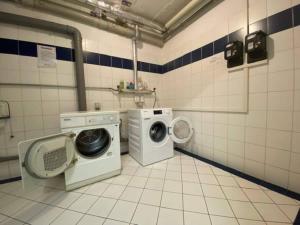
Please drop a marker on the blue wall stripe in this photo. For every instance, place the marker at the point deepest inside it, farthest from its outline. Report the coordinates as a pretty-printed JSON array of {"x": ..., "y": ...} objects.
[
  {"x": 280, "y": 21},
  {"x": 9, "y": 46},
  {"x": 296, "y": 13},
  {"x": 273, "y": 24},
  {"x": 258, "y": 181}
]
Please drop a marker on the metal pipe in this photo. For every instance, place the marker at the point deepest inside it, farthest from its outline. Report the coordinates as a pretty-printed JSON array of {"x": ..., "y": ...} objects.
[
  {"x": 57, "y": 86},
  {"x": 151, "y": 38},
  {"x": 134, "y": 55},
  {"x": 186, "y": 12},
  {"x": 129, "y": 17},
  {"x": 59, "y": 28}
]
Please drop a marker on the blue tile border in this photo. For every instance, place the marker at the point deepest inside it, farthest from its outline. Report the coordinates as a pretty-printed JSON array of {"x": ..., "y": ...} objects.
[
  {"x": 278, "y": 22},
  {"x": 9, "y": 180},
  {"x": 238, "y": 173}
]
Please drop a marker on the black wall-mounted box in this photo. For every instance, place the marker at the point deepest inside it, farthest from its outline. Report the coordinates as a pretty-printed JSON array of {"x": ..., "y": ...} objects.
[
  {"x": 256, "y": 46},
  {"x": 234, "y": 54}
]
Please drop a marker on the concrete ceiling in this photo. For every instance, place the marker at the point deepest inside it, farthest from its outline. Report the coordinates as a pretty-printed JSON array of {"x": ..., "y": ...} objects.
[{"x": 160, "y": 11}]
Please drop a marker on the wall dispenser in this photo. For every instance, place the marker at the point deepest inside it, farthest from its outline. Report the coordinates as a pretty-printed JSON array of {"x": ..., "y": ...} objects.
[
  {"x": 256, "y": 46},
  {"x": 234, "y": 54}
]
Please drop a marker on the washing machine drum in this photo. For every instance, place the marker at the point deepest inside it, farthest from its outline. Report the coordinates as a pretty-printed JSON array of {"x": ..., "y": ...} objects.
[
  {"x": 158, "y": 131},
  {"x": 92, "y": 143}
]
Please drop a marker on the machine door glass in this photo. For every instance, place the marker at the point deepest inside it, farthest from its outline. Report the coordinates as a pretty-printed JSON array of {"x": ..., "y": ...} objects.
[
  {"x": 181, "y": 130},
  {"x": 93, "y": 143},
  {"x": 45, "y": 157},
  {"x": 158, "y": 131}
]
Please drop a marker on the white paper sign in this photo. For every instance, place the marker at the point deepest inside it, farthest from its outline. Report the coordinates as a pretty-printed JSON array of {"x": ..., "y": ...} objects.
[{"x": 46, "y": 56}]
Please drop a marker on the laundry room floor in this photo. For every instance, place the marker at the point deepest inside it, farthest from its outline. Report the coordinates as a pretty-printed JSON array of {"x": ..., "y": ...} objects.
[{"x": 178, "y": 191}]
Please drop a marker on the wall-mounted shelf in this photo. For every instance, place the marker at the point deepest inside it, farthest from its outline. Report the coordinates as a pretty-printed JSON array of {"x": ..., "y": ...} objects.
[{"x": 136, "y": 92}]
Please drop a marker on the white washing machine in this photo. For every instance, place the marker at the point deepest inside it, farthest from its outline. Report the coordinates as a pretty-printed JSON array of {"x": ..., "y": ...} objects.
[
  {"x": 151, "y": 134},
  {"x": 87, "y": 150}
]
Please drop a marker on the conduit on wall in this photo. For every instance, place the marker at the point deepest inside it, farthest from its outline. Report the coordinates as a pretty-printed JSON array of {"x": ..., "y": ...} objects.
[{"x": 58, "y": 28}]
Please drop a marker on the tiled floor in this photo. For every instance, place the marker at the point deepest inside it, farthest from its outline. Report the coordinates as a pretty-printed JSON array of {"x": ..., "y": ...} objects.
[{"x": 178, "y": 191}]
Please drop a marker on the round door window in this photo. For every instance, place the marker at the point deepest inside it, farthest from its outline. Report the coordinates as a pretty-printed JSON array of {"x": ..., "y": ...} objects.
[
  {"x": 93, "y": 143},
  {"x": 158, "y": 131}
]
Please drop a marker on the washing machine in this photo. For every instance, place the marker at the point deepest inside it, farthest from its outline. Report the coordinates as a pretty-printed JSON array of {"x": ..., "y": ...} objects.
[
  {"x": 152, "y": 133},
  {"x": 87, "y": 151}
]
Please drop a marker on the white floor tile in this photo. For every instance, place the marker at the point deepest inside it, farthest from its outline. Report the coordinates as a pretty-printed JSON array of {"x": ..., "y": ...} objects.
[
  {"x": 204, "y": 170},
  {"x": 281, "y": 199},
  {"x": 151, "y": 197},
  {"x": 212, "y": 191},
  {"x": 172, "y": 200},
  {"x": 102, "y": 207},
  {"x": 244, "y": 210},
  {"x": 245, "y": 183},
  {"x": 139, "y": 182},
  {"x": 173, "y": 175},
  {"x": 157, "y": 173},
  {"x": 121, "y": 179},
  {"x": 170, "y": 217},
  {"x": 192, "y": 188},
  {"x": 29, "y": 211},
  {"x": 83, "y": 203},
  {"x": 132, "y": 194},
  {"x": 14, "y": 206},
  {"x": 65, "y": 199},
  {"x": 218, "y": 207},
  {"x": 67, "y": 218},
  {"x": 143, "y": 172},
  {"x": 220, "y": 172},
  {"x": 97, "y": 189},
  {"x": 290, "y": 210},
  {"x": 194, "y": 203},
  {"x": 145, "y": 215},
  {"x": 208, "y": 179},
  {"x": 123, "y": 211},
  {"x": 227, "y": 181},
  {"x": 257, "y": 196},
  {"x": 113, "y": 191},
  {"x": 191, "y": 218},
  {"x": 11, "y": 221},
  {"x": 173, "y": 186},
  {"x": 270, "y": 212},
  {"x": 190, "y": 177},
  {"x": 91, "y": 220},
  {"x": 251, "y": 222},
  {"x": 155, "y": 184},
  {"x": 234, "y": 193},
  {"x": 219, "y": 220},
  {"x": 114, "y": 222},
  {"x": 46, "y": 216}
]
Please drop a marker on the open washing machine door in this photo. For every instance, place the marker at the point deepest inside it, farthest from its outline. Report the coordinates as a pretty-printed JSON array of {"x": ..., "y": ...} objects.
[
  {"x": 181, "y": 130},
  {"x": 45, "y": 157}
]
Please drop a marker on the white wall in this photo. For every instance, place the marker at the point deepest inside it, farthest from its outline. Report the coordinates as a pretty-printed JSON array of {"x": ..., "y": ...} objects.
[
  {"x": 263, "y": 142},
  {"x": 35, "y": 111}
]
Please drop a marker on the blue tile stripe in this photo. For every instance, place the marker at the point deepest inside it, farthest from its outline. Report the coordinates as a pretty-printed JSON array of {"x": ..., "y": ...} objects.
[
  {"x": 238, "y": 173},
  {"x": 278, "y": 22}
]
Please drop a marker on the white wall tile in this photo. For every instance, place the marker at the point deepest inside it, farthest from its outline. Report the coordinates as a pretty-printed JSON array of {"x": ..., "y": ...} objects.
[
  {"x": 281, "y": 81},
  {"x": 282, "y": 101},
  {"x": 275, "y": 6},
  {"x": 278, "y": 158},
  {"x": 279, "y": 139},
  {"x": 280, "y": 120}
]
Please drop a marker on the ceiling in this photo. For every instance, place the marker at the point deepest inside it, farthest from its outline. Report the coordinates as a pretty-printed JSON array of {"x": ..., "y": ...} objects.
[{"x": 160, "y": 11}]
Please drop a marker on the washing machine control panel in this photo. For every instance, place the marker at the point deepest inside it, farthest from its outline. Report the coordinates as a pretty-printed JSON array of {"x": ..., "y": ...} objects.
[
  {"x": 156, "y": 112},
  {"x": 103, "y": 119}
]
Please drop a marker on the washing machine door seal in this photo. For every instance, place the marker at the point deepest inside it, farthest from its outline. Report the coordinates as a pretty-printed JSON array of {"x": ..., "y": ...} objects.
[
  {"x": 181, "y": 130},
  {"x": 158, "y": 131},
  {"x": 93, "y": 142}
]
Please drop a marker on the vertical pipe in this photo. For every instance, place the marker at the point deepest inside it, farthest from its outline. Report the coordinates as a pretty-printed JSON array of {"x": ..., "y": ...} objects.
[{"x": 134, "y": 55}]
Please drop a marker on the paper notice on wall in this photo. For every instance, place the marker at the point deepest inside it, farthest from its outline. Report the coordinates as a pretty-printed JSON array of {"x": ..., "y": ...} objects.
[{"x": 46, "y": 56}]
